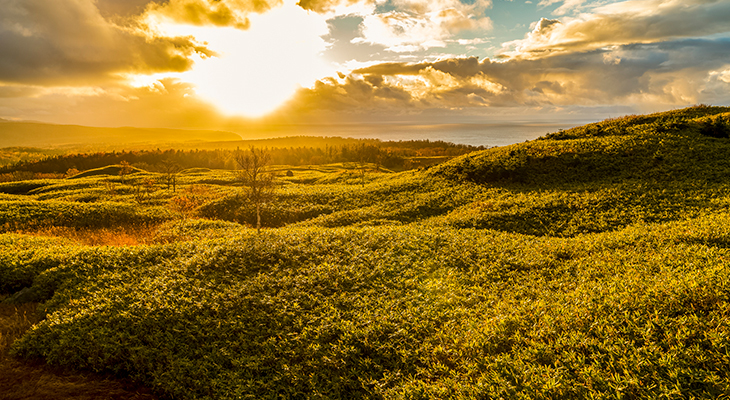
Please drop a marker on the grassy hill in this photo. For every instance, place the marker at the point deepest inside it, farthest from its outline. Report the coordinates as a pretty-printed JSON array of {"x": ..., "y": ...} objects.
[
  {"x": 591, "y": 263},
  {"x": 687, "y": 144}
]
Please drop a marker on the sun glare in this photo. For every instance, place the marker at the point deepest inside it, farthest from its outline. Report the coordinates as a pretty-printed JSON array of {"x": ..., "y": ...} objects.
[{"x": 258, "y": 69}]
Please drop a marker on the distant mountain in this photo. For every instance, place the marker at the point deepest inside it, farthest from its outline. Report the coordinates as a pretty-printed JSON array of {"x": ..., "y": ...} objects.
[{"x": 37, "y": 134}]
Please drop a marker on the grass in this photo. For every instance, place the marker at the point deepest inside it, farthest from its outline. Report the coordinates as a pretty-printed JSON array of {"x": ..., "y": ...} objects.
[
  {"x": 119, "y": 236},
  {"x": 36, "y": 380},
  {"x": 591, "y": 263},
  {"x": 458, "y": 313}
]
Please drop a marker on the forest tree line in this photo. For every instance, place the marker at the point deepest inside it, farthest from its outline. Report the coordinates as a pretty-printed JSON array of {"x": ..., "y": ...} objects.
[{"x": 392, "y": 155}]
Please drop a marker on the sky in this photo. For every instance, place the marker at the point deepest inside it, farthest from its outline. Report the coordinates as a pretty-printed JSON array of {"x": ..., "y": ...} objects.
[{"x": 228, "y": 64}]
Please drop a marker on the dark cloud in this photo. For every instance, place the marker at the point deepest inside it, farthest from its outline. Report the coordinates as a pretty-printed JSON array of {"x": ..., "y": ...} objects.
[
  {"x": 121, "y": 8},
  {"x": 349, "y": 95},
  {"x": 623, "y": 23},
  {"x": 70, "y": 43},
  {"x": 341, "y": 49},
  {"x": 461, "y": 67}
]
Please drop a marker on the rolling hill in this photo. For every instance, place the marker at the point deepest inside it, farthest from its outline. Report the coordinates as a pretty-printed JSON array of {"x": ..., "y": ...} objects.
[
  {"x": 688, "y": 144},
  {"x": 591, "y": 263}
]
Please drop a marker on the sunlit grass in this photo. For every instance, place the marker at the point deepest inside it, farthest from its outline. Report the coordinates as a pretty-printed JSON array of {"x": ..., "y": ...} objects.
[
  {"x": 591, "y": 264},
  {"x": 119, "y": 236}
]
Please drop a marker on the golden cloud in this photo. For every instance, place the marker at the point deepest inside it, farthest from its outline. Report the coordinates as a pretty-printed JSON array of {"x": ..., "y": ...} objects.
[
  {"x": 325, "y": 6},
  {"x": 423, "y": 24},
  {"x": 210, "y": 12},
  {"x": 165, "y": 103},
  {"x": 70, "y": 43}
]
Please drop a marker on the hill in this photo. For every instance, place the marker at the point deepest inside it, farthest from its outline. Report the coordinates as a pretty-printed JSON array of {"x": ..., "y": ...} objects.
[
  {"x": 591, "y": 263},
  {"x": 688, "y": 144},
  {"x": 35, "y": 134}
]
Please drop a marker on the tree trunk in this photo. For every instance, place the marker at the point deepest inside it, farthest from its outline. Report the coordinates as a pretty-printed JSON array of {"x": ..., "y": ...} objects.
[{"x": 258, "y": 218}]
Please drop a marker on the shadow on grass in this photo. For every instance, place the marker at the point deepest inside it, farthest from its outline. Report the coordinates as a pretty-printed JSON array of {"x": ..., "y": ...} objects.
[{"x": 21, "y": 379}]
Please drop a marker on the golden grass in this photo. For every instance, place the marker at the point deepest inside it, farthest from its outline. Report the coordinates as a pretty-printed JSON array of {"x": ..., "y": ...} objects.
[
  {"x": 118, "y": 236},
  {"x": 37, "y": 381}
]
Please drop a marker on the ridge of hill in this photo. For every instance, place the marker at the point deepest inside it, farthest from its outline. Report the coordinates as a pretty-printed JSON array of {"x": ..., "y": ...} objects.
[
  {"x": 38, "y": 134},
  {"x": 666, "y": 146}
]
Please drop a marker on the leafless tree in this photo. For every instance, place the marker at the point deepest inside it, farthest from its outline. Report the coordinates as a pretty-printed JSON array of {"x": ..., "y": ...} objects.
[
  {"x": 169, "y": 172},
  {"x": 254, "y": 174}
]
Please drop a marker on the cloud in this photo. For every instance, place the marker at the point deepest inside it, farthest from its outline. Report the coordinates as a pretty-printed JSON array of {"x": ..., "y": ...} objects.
[
  {"x": 723, "y": 75},
  {"x": 395, "y": 89},
  {"x": 644, "y": 21},
  {"x": 114, "y": 105},
  {"x": 121, "y": 8},
  {"x": 61, "y": 55},
  {"x": 567, "y": 7},
  {"x": 412, "y": 25},
  {"x": 645, "y": 54},
  {"x": 18, "y": 92},
  {"x": 328, "y": 6},
  {"x": 73, "y": 59},
  {"x": 70, "y": 43},
  {"x": 232, "y": 13},
  {"x": 668, "y": 74}
]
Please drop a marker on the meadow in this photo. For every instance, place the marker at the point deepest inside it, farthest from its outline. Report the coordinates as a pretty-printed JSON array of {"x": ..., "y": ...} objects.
[{"x": 590, "y": 263}]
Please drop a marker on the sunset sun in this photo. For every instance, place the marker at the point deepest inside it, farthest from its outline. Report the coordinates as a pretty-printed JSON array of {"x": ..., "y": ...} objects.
[
  {"x": 256, "y": 70},
  {"x": 216, "y": 63}
]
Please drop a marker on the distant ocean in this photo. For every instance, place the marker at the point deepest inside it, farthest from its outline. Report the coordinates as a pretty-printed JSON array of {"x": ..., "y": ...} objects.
[{"x": 487, "y": 135}]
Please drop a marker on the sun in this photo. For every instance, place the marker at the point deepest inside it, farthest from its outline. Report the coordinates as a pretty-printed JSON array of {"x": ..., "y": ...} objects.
[{"x": 258, "y": 69}]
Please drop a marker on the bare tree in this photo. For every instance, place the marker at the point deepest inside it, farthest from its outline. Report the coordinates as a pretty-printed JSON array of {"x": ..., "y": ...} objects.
[
  {"x": 365, "y": 155},
  {"x": 254, "y": 174},
  {"x": 169, "y": 172}
]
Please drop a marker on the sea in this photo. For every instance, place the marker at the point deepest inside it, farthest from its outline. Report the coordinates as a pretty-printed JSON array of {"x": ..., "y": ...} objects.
[{"x": 487, "y": 135}]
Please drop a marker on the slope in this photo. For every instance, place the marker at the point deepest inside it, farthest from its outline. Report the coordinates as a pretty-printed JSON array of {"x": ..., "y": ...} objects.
[{"x": 689, "y": 144}]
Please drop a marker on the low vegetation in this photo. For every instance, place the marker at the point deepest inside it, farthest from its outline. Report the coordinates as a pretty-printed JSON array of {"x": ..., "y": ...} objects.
[{"x": 591, "y": 263}]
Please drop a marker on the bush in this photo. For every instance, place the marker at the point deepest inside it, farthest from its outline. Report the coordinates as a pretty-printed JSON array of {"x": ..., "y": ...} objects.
[{"x": 34, "y": 214}]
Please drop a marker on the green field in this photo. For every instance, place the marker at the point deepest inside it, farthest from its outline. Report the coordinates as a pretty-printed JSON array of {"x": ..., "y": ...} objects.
[{"x": 590, "y": 263}]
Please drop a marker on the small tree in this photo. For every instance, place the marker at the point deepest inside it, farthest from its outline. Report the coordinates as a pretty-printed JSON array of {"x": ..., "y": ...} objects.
[
  {"x": 365, "y": 154},
  {"x": 145, "y": 188},
  {"x": 253, "y": 173},
  {"x": 125, "y": 169},
  {"x": 169, "y": 172},
  {"x": 190, "y": 200},
  {"x": 71, "y": 172}
]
